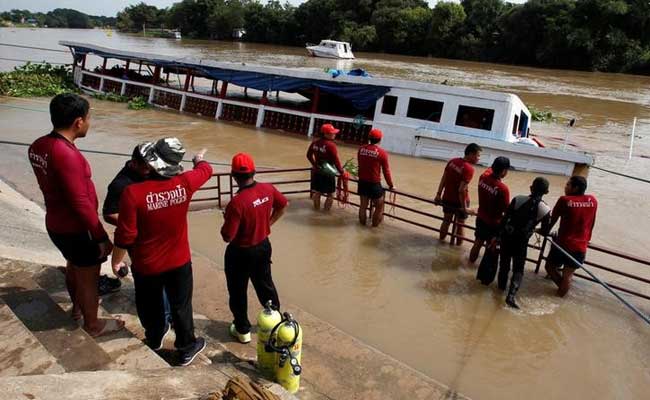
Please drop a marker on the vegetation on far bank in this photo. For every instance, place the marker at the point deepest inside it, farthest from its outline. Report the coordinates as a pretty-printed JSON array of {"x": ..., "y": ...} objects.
[{"x": 58, "y": 18}]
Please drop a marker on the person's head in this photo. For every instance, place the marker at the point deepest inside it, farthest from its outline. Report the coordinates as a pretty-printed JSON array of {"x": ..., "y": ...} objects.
[
  {"x": 165, "y": 157},
  {"x": 139, "y": 158},
  {"x": 539, "y": 187},
  {"x": 500, "y": 167},
  {"x": 242, "y": 168},
  {"x": 473, "y": 153},
  {"x": 329, "y": 131},
  {"x": 576, "y": 185},
  {"x": 71, "y": 113},
  {"x": 375, "y": 135}
]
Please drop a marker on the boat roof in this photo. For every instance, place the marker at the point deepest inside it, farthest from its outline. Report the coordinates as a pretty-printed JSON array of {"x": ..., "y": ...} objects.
[
  {"x": 333, "y": 41},
  {"x": 312, "y": 74}
]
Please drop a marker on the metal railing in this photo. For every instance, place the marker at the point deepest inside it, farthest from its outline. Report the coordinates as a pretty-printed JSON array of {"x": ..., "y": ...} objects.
[{"x": 225, "y": 187}]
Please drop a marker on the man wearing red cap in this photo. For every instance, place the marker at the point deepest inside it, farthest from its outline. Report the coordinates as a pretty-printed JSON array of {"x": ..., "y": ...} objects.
[
  {"x": 323, "y": 155},
  {"x": 372, "y": 161},
  {"x": 152, "y": 225},
  {"x": 246, "y": 228}
]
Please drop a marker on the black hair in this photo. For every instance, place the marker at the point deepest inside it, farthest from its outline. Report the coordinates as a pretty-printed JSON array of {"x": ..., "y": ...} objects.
[
  {"x": 65, "y": 108},
  {"x": 242, "y": 176},
  {"x": 539, "y": 187},
  {"x": 500, "y": 164},
  {"x": 579, "y": 183},
  {"x": 374, "y": 140},
  {"x": 472, "y": 148}
]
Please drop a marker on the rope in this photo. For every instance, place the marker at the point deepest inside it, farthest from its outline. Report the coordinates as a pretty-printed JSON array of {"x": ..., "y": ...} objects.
[
  {"x": 342, "y": 189},
  {"x": 33, "y": 48},
  {"x": 32, "y": 61},
  {"x": 621, "y": 174},
  {"x": 392, "y": 198},
  {"x": 606, "y": 286}
]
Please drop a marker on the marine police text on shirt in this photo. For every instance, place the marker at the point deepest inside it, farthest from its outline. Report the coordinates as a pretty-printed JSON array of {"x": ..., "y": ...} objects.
[{"x": 168, "y": 198}]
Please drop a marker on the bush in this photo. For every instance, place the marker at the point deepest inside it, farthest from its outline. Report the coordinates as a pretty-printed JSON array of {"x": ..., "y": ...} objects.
[
  {"x": 111, "y": 97},
  {"x": 540, "y": 115},
  {"x": 37, "y": 80},
  {"x": 138, "y": 103}
]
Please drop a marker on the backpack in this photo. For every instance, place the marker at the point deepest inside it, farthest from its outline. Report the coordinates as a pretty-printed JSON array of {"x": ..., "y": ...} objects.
[{"x": 520, "y": 222}]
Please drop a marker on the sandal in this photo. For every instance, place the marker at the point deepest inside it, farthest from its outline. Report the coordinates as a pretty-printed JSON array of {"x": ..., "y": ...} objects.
[{"x": 110, "y": 326}]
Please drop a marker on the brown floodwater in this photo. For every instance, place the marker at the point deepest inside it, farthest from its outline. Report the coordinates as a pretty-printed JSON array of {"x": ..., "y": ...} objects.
[{"x": 395, "y": 287}]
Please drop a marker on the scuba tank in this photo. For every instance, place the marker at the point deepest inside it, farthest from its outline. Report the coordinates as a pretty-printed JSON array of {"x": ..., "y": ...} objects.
[
  {"x": 286, "y": 340},
  {"x": 267, "y": 319},
  {"x": 328, "y": 169}
]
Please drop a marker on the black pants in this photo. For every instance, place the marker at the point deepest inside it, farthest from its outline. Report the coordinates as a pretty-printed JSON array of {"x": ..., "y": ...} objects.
[
  {"x": 178, "y": 285},
  {"x": 242, "y": 264},
  {"x": 513, "y": 250}
]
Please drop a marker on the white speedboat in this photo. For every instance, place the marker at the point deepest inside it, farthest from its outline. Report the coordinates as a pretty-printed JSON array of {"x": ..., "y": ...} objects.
[{"x": 330, "y": 49}]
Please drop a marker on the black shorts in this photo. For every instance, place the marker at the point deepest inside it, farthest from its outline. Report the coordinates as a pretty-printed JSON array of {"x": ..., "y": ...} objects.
[
  {"x": 372, "y": 190},
  {"x": 454, "y": 208},
  {"x": 484, "y": 231},
  {"x": 78, "y": 248},
  {"x": 556, "y": 257},
  {"x": 322, "y": 183}
]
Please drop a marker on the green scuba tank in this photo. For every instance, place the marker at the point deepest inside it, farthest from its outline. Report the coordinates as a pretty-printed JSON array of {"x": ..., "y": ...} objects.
[{"x": 328, "y": 169}]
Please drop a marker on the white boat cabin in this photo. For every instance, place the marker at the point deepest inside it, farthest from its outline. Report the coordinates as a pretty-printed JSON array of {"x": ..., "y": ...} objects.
[{"x": 331, "y": 49}]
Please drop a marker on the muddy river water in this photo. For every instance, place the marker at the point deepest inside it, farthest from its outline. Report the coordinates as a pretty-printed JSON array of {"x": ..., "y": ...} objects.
[{"x": 396, "y": 288}]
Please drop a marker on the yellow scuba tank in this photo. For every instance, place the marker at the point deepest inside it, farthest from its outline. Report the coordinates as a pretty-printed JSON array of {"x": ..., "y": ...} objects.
[
  {"x": 286, "y": 340},
  {"x": 267, "y": 319}
]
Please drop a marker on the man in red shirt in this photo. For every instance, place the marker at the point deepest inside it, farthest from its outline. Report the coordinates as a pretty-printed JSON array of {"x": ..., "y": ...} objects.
[
  {"x": 324, "y": 158},
  {"x": 246, "y": 227},
  {"x": 577, "y": 213},
  {"x": 493, "y": 200},
  {"x": 71, "y": 218},
  {"x": 152, "y": 225},
  {"x": 372, "y": 160},
  {"x": 452, "y": 192}
]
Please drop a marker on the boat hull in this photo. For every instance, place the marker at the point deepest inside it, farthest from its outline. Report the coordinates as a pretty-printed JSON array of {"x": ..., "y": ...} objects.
[{"x": 325, "y": 54}]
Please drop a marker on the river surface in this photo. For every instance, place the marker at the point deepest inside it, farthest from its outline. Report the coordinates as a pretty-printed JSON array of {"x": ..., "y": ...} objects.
[{"x": 396, "y": 288}]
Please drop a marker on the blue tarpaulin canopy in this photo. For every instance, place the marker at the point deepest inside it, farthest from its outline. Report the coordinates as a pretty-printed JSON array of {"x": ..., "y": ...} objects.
[{"x": 360, "y": 96}]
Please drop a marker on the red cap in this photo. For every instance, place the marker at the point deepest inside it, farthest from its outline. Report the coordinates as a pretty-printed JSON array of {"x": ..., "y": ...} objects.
[
  {"x": 375, "y": 134},
  {"x": 242, "y": 163},
  {"x": 328, "y": 129}
]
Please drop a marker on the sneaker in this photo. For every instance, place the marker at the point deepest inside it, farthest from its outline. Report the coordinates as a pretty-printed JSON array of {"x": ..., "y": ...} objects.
[
  {"x": 241, "y": 337},
  {"x": 108, "y": 285},
  {"x": 159, "y": 344},
  {"x": 187, "y": 357}
]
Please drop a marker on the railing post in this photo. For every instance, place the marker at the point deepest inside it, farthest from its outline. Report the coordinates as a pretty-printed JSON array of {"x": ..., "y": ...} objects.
[
  {"x": 150, "y": 100},
  {"x": 260, "y": 116},
  {"x": 312, "y": 122},
  {"x": 541, "y": 254},
  {"x": 231, "y": 191},
  {"x": 453, "y": 229},
  {"x": 101, "y": 84},
  {"x": 183, "y": 97},
  {"x": 219, "y": 110},
  {"x": 123, "y": 90},
  {"x": 219, "y": 191}
]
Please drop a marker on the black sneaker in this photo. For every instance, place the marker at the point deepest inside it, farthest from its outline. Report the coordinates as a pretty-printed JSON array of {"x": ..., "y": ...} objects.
[
  {"x": 108, "y": 285},
  {"x": 187, "y": 357},
  {"x": 159, "y": 344}
]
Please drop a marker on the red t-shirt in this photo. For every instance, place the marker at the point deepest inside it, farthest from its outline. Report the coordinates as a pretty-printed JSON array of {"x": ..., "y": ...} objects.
[
  {"x": 457, "y": 170},
  {"x": 493, "y": 198},
  {"x": 152, "y": 221},
  {"x": 247, "y": 218},
  {"x": 578, "y": 216},
  {"x": 372, "y": 160},
  {"x": 324, "y": 150},
  {"x": 64, "y": 177}
]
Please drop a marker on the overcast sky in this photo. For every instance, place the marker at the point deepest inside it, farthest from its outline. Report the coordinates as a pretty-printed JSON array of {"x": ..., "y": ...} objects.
[{"x": 104, "y": 7}]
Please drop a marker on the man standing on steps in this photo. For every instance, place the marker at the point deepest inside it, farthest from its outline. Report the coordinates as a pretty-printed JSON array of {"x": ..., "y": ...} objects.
[
  {"x": 372, "y": 160},
  {"x": 324, "y": 158},
  {"x": 493, "y": 200},
  {"x": 152, "y": 225},
  {"x": 247, "y": 225},
  {"x": 577, "y": 214},
  {"x": 71, "y": 219},
  {"x": 453, "y": 194},
  {"x": 134, "y": 171}
]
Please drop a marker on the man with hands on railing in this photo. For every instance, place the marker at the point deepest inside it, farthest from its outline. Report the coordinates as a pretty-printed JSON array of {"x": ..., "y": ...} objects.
[{"x": 372, "y": 161}]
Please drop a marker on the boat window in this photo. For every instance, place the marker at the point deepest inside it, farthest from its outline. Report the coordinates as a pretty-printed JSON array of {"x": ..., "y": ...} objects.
[
  {"x": 427, "y": 110},
  {"x": 475, "y": 117},
  {"x": 390, "y": 105},
  {"x": 515, "y": 125}
]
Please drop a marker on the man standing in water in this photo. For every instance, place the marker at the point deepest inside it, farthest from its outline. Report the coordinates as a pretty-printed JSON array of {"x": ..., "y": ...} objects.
[
  {"x": 324, "y": 159},
  {"x": 372, "y": 161},
  {"x": 523, "y": 214},
  {"x": 577, "y": 214},
  {"x": 246, "y": 228},
  {"x": 71, "y": 218},
  {"x": 493, "y": 200},
  {"x": 153, "y": 227},
  {"x": 453, "y": 194}
]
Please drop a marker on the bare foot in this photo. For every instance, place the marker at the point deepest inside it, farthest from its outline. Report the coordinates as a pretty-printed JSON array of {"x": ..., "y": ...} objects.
[{"x": 108, "y": 326}]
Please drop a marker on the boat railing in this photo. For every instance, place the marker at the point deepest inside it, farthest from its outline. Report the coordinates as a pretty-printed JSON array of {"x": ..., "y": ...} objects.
[{"x": 422, "y": 212}]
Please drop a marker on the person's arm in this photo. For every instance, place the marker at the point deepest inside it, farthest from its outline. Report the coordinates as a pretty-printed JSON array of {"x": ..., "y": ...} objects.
[
  {"x": 310, "y": 155},
  {"x": 280, "y": 205},
  {"x": 462, "y": 195},
  {"x": 117, "y": 260},
  {"x": 111, "y": 208},
  {"x": 555, "y": 216},
  {"x": 441, "y": 186},
  {"x": 73, "y": 183},
  {"x": 111, "y": 218},
  {"x": 126, "y": 232},
  {"x": 546, "y": 223},
  {"x": 201, "y": 173},
  {"x": 335, "y": 155},
  {"x": 232, "y": 218},
  {"x": 385, "y": 167}
]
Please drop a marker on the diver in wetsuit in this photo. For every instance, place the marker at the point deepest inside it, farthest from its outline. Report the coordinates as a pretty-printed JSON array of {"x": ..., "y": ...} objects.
[{"x": 517, "y": 226}]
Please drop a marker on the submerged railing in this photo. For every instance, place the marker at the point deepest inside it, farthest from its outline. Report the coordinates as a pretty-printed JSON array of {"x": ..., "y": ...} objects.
[{"x": 412, "y": 204}]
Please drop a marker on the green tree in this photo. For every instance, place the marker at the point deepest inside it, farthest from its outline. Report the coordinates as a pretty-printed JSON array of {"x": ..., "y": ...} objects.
[{"x": 447, "y": 21}]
